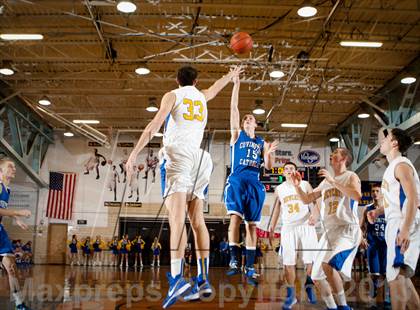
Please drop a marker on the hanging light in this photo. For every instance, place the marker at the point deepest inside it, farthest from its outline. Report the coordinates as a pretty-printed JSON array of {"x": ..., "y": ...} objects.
[
  {"x": 44, "y": 101},
  {"x": 126, "y": 6},
  {"x": 408, "y": 80},
  {"x": 363, "y": 115},
  {"x": 158, "y": 134},
  {"x": 6, "y": 68},
  {"x": 152, "y": 107},
  {"x": 307, "y": 10},
  {"x": 142, "y": 70},
  {"x": 68, "y": 134},
  {"x": 277, "y": 74},
  {"x": 258, "y": 107},
  {"x": 334, "y": 139}
]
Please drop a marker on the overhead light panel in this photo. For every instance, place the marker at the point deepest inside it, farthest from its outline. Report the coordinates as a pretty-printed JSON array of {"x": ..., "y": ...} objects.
[
  {"x": 408, "y": 80},
  {"x": 142, "y": 71},
  {"x": 158, "y": 134},
  {"x": 360, "y": 44},
  {"x": 17, "y": 36},
  {"x": 126, "y": 6},
  {"x": 68, "y": 134},
  {"x": 417, "y": 142},
  {"x": 307, "y": 11},
  {"x": 334, "y": 139},
  {"x": 277, "y": 74},
  {"x": 86, "y": 121},
  {"x": 152, "y": 107},
  {"x": 292, "y": 125},
  {"x": 363, "y": 115}
]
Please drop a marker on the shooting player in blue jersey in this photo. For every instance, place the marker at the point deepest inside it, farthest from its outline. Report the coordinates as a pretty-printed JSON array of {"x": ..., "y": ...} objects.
[{"x": 244, "y": 193}]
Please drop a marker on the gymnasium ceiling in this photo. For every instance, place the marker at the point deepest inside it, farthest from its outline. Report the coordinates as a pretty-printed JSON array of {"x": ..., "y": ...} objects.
[{"x": 86, "y": 62}]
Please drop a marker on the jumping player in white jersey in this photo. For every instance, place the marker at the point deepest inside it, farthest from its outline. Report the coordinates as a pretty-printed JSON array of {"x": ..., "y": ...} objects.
[
  {"x": 296, "y": 229},
  {"x": 401, "y": 191},
  {"x": 342, "y": 235},
  {"x": 244, "y": 193},
  {"x": 187, "y": 171}
]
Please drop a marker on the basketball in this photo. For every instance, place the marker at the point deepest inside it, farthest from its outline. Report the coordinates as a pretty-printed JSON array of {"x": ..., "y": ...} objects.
[{"x": 241, "y": 42}]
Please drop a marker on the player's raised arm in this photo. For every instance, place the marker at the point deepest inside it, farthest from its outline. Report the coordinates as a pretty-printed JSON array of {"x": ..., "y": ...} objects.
[
  {"x": 269, "y": 156},
  {"x": 213, "y": 90},
  {"x": 166, "y": 105},
  {"x": 306, "y": 198},
  {"x": 235, "y": 126}
]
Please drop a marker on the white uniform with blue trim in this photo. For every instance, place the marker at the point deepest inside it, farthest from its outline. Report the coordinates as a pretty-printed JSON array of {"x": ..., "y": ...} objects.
[
  {"x": 186, "y": 168},
  {"x": 342, "y": 234},
  {"x": 395, "y": 203},
  {"x": 295, "y": 230}
]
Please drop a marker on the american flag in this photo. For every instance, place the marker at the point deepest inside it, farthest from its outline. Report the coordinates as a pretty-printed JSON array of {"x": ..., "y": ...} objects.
[{"x": 61, "y": 195}]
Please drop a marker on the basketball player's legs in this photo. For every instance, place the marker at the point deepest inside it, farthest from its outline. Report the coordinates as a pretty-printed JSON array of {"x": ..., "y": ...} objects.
[
  {"x": 10, "y": 266},
  {"x": 199, "y": 228},
  {"x": 176, "y": 206},
  {"x": 233, "y": 238},
  {"x": 413, "y": 296},
  {"x": 399, "y": 292}
]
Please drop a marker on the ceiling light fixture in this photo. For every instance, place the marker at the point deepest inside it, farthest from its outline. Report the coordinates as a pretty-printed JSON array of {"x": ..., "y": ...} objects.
[
  {"x": 292, "y": 125},
  {"x": 126, "y": 6},
  {"x": 158, "y": 134},
  {"x": 44, "y": 101},
  {"x": 408, "y": 80},
  {"x": 258, "y": 107},
  {"x": 360, "y": 44},
  {"x": 363, "y": 115},
  {"x": 142, "y": 70},
  {"x": 86, "y": 121},
  {"x": 68, "y": 134},
  {"x": 17, "y": 36},
  {"x": 334, "y": 139},
  {"x": 277, "y": 74},
  {"x": 152, "y": 107},
  {"x": 6, "y": 71},
  {"x": 307, "y": 11}
]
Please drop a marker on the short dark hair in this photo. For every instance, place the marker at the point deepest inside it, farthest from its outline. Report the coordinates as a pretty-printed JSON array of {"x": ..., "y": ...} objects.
[
  {"x": 403, "y": 139},
  {"x": 290, "y": 164},
  {"x": 345, "y": 152},
  {"x": 375, "y": 185},
  {"x": 186, "y": 75}
]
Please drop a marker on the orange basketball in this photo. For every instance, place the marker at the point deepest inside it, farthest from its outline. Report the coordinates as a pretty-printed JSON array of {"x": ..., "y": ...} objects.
[{"x": 241, "y": 42}]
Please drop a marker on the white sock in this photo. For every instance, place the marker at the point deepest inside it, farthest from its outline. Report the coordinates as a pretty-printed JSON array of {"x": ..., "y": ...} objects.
[
  {"x": 203, "y": 262},
  {"x": 341, "y": 299},
  {"x": 18, "y": 298},
  {"x": 329, "y": 301},
  {"x": 176, "y": 267}
]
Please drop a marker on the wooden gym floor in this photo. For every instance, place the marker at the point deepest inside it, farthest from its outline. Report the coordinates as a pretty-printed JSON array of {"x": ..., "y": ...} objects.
[{"x": 65, "y": 287}]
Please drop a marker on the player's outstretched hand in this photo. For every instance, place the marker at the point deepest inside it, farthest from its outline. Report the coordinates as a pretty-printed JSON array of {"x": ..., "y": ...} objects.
[
  {"x": 273, "y": 146},
  {"x": 371, "y": 216},
  {"x": 235, "y": 72},
  {"x": 324, "y": 173},
  {"x": 23, "y": 213},
  {"x": 21, "y": 224},
  {"x": 403, "y": 239},
  {"x": 296, "y": 178}
]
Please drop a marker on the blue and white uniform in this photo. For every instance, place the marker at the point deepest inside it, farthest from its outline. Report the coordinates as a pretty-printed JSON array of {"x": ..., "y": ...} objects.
[
  {"x": 244, "y": 193},
  {"x": 186, "y": 167},
  {"x": 376, "y": 251},
  {"x": 6, "y": 248},
  {"x": 395, "y": 202},
  {"x": 342, "y": 234}
]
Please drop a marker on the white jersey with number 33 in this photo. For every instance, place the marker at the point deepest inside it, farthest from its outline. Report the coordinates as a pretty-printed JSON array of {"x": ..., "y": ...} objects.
[{"x": 187, "y": 120}]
